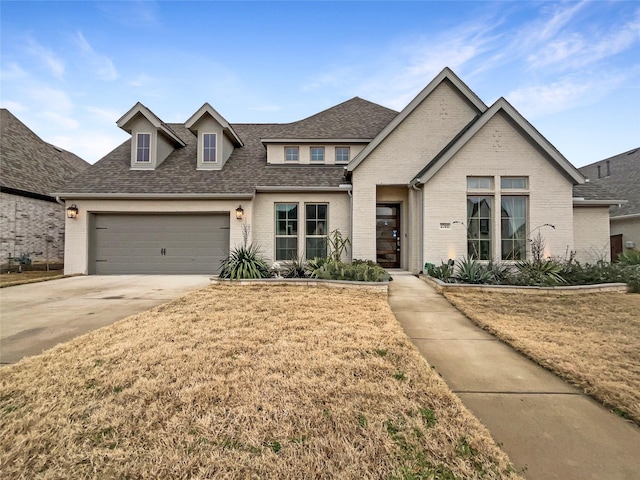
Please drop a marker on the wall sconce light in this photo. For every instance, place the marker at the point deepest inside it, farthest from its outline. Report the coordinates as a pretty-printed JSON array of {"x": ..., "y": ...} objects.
[
  {"x": 239, "y": 212},
  {"x": 72, "y": 211}
]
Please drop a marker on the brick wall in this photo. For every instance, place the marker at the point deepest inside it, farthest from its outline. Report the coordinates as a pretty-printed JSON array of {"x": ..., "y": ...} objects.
[
  {"x": 29, "y": 225},
  {"x": 591, "y": 233}
]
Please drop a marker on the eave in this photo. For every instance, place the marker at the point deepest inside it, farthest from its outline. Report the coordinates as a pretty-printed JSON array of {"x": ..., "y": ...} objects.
[{"x": 140, "y": 109}]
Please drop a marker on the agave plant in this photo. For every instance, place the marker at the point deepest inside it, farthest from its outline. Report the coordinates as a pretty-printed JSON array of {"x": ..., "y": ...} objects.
[
  {"x": 630, "y": 257},
  {"x": 540, "y": 272},
  {"x": 244, "y": 261},
  {"x": 470, "y": 270}
]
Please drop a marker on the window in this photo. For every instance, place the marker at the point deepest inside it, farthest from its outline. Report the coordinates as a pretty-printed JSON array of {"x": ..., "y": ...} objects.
[
  {"x": 479, "y": 227},
  {"x": 513, "y": 227},
  {"x": 317, "y": 154},
  {"x": 316, "y": 226},
  {"x": 513, "y": 183},
  {"x": 209, "y": 147},
  {"x": 286, "y": 231},
  {"x": 342, "y": 154},
  {"x": 143, "y": 147},
  {"x": 480, "y": 183},
  {"x": 291, "y": 154}
]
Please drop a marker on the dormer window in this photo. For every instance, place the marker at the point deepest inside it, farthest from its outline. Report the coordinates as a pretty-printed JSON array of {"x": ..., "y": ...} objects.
[
  {"x": 143, "y": 147},
  {"x": 209, "y": 148},
  {"x": 317, "y": 154},
  {"x": 291, "y": 154}
]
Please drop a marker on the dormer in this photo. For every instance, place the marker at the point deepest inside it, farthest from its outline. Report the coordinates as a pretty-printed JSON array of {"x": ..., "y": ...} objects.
[
  {"x": 151, "y": 139},
  {"x": 216, "y": 138}
]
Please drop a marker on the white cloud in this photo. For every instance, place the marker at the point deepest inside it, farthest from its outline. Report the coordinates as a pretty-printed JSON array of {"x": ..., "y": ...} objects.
[
  {"x": 13, "y": 72},
  {"x": 89, "y": 144},
  {"x": 61, "y": 121},
  {"x": 565, "y": 94},
  {"x": 105, "y": 114},
  {"x": 103, "y": 65},
  {"x": 14, "y": 107},
  {"x": 48, "y": 57}
]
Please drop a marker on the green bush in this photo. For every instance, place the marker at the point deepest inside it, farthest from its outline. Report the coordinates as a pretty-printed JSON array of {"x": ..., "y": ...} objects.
[
  {"x": 295, "y": 268},
  {"x": 245, "y": 262},
  {"x": 630, "y": 257},
  {"x": 470, "y": 270},
  {"x": 357, "y": 272},
  {"x": 443, "y": 272},
  {"x": 539, "y": 272}
]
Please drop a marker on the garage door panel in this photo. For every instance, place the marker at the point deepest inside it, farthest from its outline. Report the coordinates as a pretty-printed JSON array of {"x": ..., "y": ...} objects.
[{"x": 162, "y": 244}]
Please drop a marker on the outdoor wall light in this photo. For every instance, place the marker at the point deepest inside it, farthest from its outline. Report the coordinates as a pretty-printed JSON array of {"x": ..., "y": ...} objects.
[
  {"x": 239, "y": 212},
  {"x": 72, "y": 211}
]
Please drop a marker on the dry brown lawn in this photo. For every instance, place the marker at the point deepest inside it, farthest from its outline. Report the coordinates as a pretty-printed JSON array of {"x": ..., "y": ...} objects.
[
  {"x": 10, "y": 279},
  {"x": 242, "y": 382},
  {"x": 592, "y": 340}
]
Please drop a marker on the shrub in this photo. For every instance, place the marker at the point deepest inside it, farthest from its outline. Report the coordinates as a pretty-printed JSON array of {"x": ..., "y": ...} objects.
[
  {"x": 337, "y": 245},
  {"x": 443, "y": 272},
  {"x": 245, "y": 261},
  {"x": 358, "y": 272},
  {"x": 630, "y": 257},
  {"x": 295, "y": 268},
  {"x": 539, "y": 272},
  {"x": 470, "y": 270}
]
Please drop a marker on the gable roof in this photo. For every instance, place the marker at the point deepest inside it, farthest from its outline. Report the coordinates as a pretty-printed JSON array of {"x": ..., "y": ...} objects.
[
  {"x": 28, "y": 163},
  {"x": 354, "y": 119},
  {"x": 446, "y": 75},
  {"x": 501, "y": 105},
  {"x": 208, "y": 109},
  {"x": 140, "y": 109},
  {"x": 621, "y": 179}
]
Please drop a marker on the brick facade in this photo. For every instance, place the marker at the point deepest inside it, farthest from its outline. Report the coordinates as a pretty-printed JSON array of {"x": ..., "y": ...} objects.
[{"x": 29, "y": 225}]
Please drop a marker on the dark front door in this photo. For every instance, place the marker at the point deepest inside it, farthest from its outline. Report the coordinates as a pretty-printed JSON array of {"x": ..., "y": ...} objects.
[
  {"x": 616, "y": 246},
  {"x": 388, "y": 235}
]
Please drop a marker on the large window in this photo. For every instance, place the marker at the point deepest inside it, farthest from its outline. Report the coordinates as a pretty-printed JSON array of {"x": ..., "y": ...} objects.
[
  {"x": 291, "y": 154},
  {"x": 513, "y": 227},
  {"x": 342, "y": 154},
  {"x": 317, "y": 154},
  {"x": 479, "y": 227},
  {"x": 143, "y": 147},
  {"x": 316, "y": 226},
  {"x": 286, "y": 231},
  {"x": 209, "y": 147}
]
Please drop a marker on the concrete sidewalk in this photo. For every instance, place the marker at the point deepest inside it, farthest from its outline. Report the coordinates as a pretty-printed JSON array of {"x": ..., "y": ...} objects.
[{"x": 549, "y": 429}]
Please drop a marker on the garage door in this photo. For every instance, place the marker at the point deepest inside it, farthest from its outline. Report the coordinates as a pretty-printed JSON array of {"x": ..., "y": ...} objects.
[{"x": 159, "y": 244}]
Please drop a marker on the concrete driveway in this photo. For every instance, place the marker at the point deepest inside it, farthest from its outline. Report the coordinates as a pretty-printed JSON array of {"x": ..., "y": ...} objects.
[{"x": 38, "y": 316}]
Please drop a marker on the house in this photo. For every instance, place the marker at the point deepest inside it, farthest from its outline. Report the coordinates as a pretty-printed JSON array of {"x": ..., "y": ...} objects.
[
  {"x": 620, "y": 175},
  {"x": 446, "y": 177},
  {"x": 31, "y": 220}
]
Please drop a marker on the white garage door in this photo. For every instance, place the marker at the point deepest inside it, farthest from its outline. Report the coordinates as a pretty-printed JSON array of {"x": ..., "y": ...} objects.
[{"x": 159, "y": 244}]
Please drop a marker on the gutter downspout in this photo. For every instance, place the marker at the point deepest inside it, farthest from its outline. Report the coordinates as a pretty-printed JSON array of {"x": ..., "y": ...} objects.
[
  {"x": 350, "y": 192},
  {"x": 60, "y": 201},
  {"x": 421, "y": 216}
]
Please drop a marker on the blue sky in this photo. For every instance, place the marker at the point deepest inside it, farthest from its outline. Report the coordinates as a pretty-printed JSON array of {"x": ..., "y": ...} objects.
[{"x": 69, "y": 70}]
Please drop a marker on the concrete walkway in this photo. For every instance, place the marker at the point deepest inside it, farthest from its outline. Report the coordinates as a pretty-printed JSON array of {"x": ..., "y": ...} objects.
[{"x": 549, "y": 429}]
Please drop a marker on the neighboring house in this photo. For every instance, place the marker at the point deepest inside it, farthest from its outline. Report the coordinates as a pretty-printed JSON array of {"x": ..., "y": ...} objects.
[
  {"x": 444, "y": 178},
  {"x": 31, "y": 220},
  {"x": 620, "y": 175}
]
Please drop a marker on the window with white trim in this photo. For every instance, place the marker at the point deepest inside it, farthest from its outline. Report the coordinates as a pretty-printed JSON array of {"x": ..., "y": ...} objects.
[
  {"x": 342, "y": 154},
  {"x": 479, "y": 226},
  {"x": 317, "y": 154},
  {"x": 316, "y": 228},
  {"x": 143, "y": 147},
  {"x": 286, "y": 231},
  {"x": 513, "y": 227},
  {"x": 209, "y": 147},
  {"x": 291, "y": 154}
]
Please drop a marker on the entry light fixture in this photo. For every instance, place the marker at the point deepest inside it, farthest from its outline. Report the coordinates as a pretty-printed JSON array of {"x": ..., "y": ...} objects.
[
  {"x": 72, "y": 211},
  {"x": 239, "y": 212}
]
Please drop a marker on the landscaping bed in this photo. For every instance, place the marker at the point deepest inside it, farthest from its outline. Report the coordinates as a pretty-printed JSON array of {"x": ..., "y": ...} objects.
[
  {"x": 268, "y": 381},
  {"x": 593, "y": 341}
]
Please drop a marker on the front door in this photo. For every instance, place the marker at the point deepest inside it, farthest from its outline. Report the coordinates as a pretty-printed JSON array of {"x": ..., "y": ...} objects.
[
  {"x": 616, "y": 246},
  {"x": 388, "y": 235}
]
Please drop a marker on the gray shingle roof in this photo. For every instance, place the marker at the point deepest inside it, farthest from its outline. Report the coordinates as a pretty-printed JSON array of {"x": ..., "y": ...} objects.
[
  {"x": 623, "y": 181},
  {"x": 355, "y": 118},
  {"x": 246, "y": 168},
  {"x": 28, "y": 163}
]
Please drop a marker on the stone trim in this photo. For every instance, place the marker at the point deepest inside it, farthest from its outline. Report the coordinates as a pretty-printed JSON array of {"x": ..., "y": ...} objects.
[
  {"x": 379, "y": 287},
  {"x": 442, "y": 287}
]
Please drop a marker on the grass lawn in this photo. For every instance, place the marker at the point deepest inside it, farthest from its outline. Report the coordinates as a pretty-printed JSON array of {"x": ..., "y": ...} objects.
[
  {"x": 242, "y": 382},
  {"x": 592, "y": 340}
]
